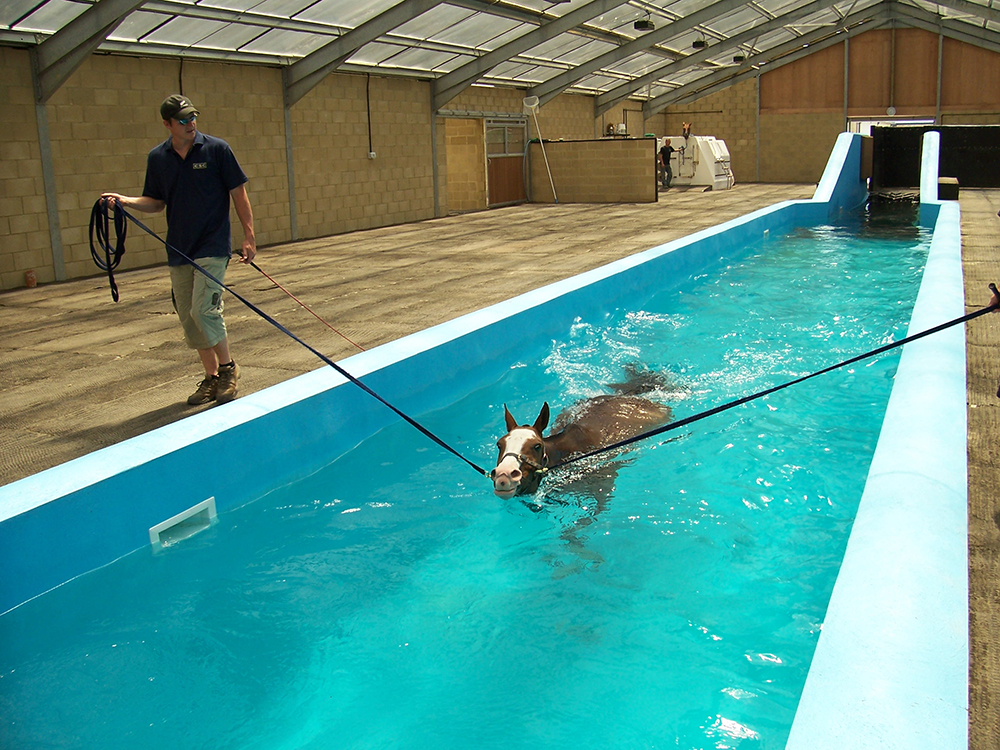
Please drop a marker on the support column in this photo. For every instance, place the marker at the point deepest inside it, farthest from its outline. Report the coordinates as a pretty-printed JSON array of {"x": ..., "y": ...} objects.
[{"x": 51, "y": 195}]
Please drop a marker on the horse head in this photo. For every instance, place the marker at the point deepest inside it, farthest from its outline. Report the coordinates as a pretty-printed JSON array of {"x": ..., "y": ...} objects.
[{"x": 523, "y": 459}]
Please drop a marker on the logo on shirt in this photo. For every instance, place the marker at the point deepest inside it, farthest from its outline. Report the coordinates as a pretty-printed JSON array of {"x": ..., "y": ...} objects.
[{"x": 200, "y": 165}]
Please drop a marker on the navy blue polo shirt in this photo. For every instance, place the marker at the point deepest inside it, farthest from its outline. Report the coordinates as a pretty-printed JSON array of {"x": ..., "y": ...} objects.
[{"x": 196, "y": 191}]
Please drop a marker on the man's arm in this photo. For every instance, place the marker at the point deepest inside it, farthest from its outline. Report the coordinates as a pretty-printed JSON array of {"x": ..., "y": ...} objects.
[
  {"x": 242, "y": 203},
  {"x": 141, "y": 203}
]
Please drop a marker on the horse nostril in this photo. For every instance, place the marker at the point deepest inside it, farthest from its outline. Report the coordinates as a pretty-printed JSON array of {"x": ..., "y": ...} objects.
[{"x": 515, "y": 475}]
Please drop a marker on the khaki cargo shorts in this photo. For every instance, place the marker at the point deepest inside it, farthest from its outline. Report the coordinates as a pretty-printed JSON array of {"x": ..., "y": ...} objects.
[{"x": 198, "y": 301}]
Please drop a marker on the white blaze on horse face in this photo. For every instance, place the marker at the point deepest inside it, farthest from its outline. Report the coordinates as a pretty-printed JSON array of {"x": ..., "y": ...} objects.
[{"x": 507, "y": 475}]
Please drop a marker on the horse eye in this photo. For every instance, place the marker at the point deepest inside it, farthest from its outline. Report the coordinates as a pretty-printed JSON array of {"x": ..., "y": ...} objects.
[{"x": 537, "y": 447}]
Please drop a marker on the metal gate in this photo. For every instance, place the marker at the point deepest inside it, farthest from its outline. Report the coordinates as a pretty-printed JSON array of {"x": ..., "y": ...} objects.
[{"x": 505, "y": 140}]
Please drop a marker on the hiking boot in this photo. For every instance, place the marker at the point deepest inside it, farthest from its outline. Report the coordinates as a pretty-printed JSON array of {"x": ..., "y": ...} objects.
[
  {"x": 225, "y": 389},
  {"x": 206, "y": 392}
]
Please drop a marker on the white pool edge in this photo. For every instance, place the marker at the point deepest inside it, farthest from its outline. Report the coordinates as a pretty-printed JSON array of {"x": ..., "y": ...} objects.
[{"x": 891, "y": 665}]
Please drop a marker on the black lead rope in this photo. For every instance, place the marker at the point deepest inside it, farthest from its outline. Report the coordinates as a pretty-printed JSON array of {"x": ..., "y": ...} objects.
[
  {"x": 101, "y": 208},
  {"x": 99, "y": 228},
  {"x": 753, "y": 397},
  {"x": 99, "y": 218}
]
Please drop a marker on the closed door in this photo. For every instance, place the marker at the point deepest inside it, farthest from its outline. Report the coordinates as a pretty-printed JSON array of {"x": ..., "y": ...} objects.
[{"x": 505, "y": 162}]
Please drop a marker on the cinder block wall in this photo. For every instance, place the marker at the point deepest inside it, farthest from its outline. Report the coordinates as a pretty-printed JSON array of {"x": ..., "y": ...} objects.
[
  {"x": 796, "y": 147},
  {"x": 24, "y": 235},
  {"x": 569, "y": 117},
  {"x": 613, "y": 170},
  {"x": 337, "y": 187},
  {"x": 729, "y": 115},
  {"x": 465, "y": 143}
]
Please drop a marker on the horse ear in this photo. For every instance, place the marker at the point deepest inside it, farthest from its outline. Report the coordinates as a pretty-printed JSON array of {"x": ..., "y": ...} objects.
[
  {"x": 543, "y": 418},
  {"x": 511, "y": 422}
]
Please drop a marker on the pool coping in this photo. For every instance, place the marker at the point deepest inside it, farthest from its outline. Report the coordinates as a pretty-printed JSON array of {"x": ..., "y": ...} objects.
[{"x": 73, "y": 518}]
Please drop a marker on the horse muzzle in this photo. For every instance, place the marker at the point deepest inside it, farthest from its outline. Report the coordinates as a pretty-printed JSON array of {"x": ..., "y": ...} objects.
[{"x": 515, "y": 475}]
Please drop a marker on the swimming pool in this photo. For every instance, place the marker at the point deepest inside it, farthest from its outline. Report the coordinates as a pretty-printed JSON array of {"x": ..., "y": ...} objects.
[
  {"x": 684, "y": 597},
  {"x": 208, "y": 653}
]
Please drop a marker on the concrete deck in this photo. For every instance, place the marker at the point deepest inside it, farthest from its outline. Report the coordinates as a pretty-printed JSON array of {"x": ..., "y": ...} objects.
[{"x": 79, "y": 372}]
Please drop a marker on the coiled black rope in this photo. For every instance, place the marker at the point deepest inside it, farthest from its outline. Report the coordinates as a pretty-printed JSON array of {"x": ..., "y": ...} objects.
[
  {"x": 760, "y": 394},
  {"x": 120, "y": 213},
  {"x": 99, "y": 228}
]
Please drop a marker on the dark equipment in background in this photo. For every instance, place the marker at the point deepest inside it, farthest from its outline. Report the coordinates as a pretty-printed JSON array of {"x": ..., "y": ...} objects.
[{"x": 970, "y": 153}]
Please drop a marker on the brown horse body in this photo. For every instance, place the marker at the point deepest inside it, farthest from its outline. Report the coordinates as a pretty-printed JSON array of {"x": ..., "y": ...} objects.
[{"x": 525, "y": 454}]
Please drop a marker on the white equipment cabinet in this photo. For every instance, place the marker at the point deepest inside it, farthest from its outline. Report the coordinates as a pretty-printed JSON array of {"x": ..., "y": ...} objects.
[{"x": 700, "y": 160}]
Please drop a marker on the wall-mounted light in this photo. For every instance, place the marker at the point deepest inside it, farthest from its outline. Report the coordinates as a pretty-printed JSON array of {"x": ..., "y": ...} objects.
[
  {"x": 699, "y": 44},
  {"x": 738, "y": 58}
]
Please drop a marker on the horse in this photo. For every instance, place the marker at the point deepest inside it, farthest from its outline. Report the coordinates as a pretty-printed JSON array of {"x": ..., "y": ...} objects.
[{"x": 525, "y": 454}]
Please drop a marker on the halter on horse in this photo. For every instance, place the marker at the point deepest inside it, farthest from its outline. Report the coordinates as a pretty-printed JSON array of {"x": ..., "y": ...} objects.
[{"x": 526, "y": 455}]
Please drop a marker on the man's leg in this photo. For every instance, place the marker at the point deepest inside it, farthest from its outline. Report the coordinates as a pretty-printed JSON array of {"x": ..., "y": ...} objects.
[{"x": 208, "y": 306}]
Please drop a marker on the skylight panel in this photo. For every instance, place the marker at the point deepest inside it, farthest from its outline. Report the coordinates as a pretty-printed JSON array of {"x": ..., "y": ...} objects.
[
  {"x": 637, "y": 65},
  {"x": 183, "y": 32},
  {"x": 136, "y": 25},
  {"x": 276, "y": 8},
  {"x": 230, "y": 38},
  {"x": 12, "y": 10},
  {"x": 348, "y": 13},
  {"x": 599, "y": 83},
  {"x": 734, "y": 23},
  {"x": 434, "y": 21},
  {"x": 51, "y": 16},
  {"x": 413, "y": 58},
  {"x": 514, "y": 72},
  {"x": 285, "y": 43},
  {"x": 620, "y": 19},
  {"x": 570, "y": 49},
  {"x": 483, "y": 31},
  {"x": 374, "y": 53}
]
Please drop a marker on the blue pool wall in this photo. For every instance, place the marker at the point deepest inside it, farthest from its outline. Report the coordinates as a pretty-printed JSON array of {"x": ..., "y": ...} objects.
[{"x": 891, "y": 665}]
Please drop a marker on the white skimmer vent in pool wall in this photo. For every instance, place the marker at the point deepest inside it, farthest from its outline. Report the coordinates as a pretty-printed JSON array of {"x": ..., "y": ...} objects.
[{"x": 185, "y": 524}]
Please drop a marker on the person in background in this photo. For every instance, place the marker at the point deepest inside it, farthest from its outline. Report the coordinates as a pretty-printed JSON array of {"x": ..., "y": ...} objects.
[
  {"x": 665, "y": 151},
  {"x": 194, "y": 176}
]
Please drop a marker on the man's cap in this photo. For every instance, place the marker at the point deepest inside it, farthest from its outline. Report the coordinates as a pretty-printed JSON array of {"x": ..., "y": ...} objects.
[{"x": 177, "y": 106}]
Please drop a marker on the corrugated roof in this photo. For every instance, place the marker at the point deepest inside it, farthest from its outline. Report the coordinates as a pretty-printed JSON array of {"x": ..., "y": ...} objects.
[{"x": 641, "y": 49}]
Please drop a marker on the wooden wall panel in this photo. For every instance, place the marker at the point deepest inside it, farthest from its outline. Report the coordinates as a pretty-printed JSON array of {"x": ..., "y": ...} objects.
[
  {"x": 970, "y": 78},
  {"x": 915, "y": 91},
  {"x": 811, "y": 84},
  {"x": 870, "y": 73}
]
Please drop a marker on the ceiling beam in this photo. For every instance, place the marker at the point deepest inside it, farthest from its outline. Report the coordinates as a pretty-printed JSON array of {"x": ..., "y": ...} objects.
[
  {"x": 554, "y": 86},
  {"x": 450, "y": 85},
  {"x": 604, "y": 102},
  {"x": 55, "y": 59},
  {"x": 305, "y": 74},
  {"x": 858, "y": 23}
]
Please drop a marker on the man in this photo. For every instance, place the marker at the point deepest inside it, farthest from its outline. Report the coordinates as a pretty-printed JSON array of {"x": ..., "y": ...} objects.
[
  {"x": 193, "y": 176},
  {"x": 665, "y": 153}
]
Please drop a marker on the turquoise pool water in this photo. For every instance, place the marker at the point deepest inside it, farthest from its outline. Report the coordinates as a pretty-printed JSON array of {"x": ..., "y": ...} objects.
[{"x": 391, "y": 600}]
